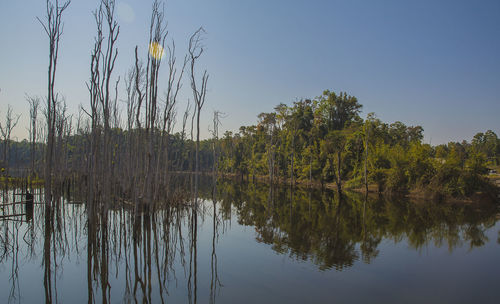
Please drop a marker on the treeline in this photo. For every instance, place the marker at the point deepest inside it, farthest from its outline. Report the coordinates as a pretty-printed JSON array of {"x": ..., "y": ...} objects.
[
  {"x": 325, "y": 140},
  {"x": 74, "y": 157}
]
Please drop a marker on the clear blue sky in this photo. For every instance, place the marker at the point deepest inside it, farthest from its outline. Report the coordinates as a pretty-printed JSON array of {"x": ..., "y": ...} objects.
[{"x": 433, "y": 63}]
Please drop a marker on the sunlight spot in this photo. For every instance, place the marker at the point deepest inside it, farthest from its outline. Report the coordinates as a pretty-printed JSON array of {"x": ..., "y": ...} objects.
[{"x": 156, "y": 50}]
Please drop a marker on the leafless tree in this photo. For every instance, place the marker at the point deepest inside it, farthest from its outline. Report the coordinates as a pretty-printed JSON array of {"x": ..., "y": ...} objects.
[
  {"x": 11, "y": 121},
  {"x": 54, "y": 29},
  {"x": 179, "y": 152},
  {"x": 215, "y": 140},
  {"x": 174, "y": 85},
  {"x": 157, "y": 35},
  {"x": 95, "y": 94},
  {"x": 140, "y": 166},
  {"x": 131, "y": 109},
  {"x": 110, "y": 54},
  {"x": 199, "y": 90},
  {"x": 103, "y": 58},
  {"x": 64, "y": 127},
  {"x": 34, "y": 103}
]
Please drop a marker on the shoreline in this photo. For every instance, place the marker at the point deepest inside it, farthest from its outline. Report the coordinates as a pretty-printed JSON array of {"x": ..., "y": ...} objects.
[{"x": 414, "y": 195}]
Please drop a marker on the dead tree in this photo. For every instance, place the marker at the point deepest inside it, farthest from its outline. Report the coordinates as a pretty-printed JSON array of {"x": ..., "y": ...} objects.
[
  {"x": 131, "y": 109},
  {"x": 169, "y": 112},
  {"x": 199, "y": 91},
  {"x": 139, "y": 87},
  {"x": 54, "y": 29},
  {"x": 94, "y": 94},
  {"x": 11, "y": 121},
  {"x": 63, "y": 129},
  {"x": 103, "y": 58},
  {"x": 157, "y": 35},
  {"x": 215, "y": 141},
  {"x": 110, "y": 54},
  {"x": 34, "y": 103},
  {"x": 179, "y": 153}
]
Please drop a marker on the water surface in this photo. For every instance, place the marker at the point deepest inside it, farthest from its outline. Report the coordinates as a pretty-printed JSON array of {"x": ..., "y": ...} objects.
[{"x": 248, "y": 243}]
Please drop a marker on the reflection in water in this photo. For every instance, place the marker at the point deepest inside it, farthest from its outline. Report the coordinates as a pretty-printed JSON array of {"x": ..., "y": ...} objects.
[
  {"x": 336, "y": 230},
  {"x": 214, "y": 273},
  {"x": 155, "y": 256},
  {"x": 146, "y": 244}
]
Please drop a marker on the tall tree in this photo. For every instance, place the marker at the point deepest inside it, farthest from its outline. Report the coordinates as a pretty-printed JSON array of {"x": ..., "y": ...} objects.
[
  {"x": 199, "y": 90},
  {"x": 338, "y": 113},
  {"x": 11, "y": 121},
  {"x": 54, "y": 29},
  {"x": 34, "y": 103}
]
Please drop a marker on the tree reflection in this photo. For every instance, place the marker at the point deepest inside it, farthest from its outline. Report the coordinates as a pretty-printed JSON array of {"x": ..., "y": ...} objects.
[
  {"x": 149, "y": 255},
  {"x": 334, "y": 230}
]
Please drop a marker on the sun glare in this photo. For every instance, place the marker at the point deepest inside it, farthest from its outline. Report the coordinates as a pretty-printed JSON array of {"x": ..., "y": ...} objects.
[{"x": 156, "y": 50}]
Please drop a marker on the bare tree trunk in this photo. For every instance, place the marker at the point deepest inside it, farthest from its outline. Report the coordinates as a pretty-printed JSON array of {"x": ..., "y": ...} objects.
[
  {"x": 107, "y": 8},
  {"x": 54, "y": 29},
  {"x": 34, "y": 102},
  {"x": 131, "y": 111},
  {"x": 139, "y": 88},
  {"x": 157, "y": 36},
  {"x": 215, "y": 138},
  {"x": 366, "y": 158},
  {"x": 169, "y": 113},
  {"x": 11, "y": 121},
  {"x": 101, "y": 68},
  {"x": 195, "y": 51}
]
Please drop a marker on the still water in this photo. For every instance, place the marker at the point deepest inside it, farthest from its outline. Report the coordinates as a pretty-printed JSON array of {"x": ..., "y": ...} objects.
[{"x": 248, "y": 243}]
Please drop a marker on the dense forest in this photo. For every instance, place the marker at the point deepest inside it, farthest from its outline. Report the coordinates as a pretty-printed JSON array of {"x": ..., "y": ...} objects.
[{"x": 325, "y": 140}]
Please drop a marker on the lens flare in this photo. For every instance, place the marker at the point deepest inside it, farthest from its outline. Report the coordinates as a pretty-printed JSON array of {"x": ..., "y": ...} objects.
[
  {"x": 156, "y": 50},
  {"x": 125, "y": 12}
]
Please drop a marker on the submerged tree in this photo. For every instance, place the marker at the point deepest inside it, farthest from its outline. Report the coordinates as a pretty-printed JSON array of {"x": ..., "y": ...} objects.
[
  {"x": 103, "y": 58},
  {"x": 34, "y": 103},
  {"x": 199, "y": 90},
  {"x": 10, "y": 123},
  {"x": 54, "y": 29}
]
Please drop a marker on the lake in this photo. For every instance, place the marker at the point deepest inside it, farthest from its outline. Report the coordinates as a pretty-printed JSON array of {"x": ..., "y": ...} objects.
[{"x": 249, "y": 243}]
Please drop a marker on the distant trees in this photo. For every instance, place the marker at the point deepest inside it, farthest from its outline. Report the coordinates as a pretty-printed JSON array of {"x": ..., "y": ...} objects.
[{"x": 487, "y": 144}]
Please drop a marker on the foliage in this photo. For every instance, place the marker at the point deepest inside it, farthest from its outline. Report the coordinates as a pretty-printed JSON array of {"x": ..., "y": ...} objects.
[
  {"x": 321, "y": 140},
  {"x": 325, "y": 140}
]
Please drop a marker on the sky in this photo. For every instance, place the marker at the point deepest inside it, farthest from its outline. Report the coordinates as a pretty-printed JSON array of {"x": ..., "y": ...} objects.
[{"x": 430, "y": 63}]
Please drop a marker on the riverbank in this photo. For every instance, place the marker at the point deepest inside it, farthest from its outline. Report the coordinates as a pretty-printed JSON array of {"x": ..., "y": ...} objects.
[
  {"x": 20, "y": 181},
  {"x": 415, "y": 194}
]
